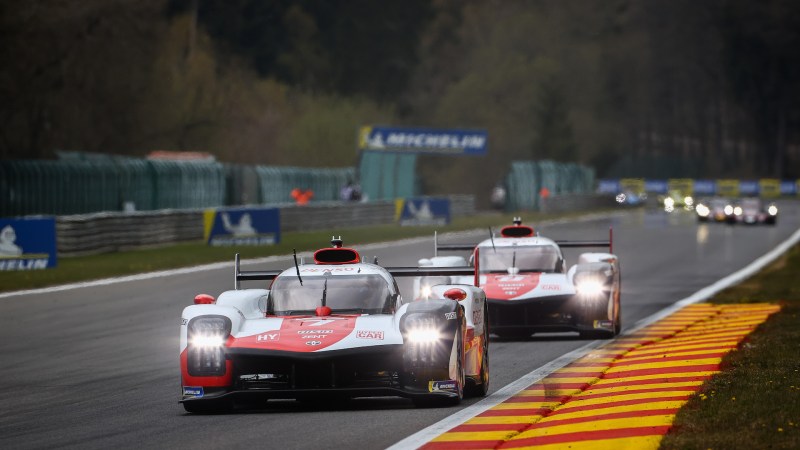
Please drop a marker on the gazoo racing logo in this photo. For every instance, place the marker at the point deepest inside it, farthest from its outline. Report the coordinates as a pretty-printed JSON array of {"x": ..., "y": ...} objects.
[{"x": 365, "y": 334}]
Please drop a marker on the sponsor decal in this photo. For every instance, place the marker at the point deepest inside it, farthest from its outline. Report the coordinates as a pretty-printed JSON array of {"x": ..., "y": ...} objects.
[
  {"x": 424, "y": 211},
  {"x": 450, "y": 316},
  {"x": 328, "y": 269},
  {"x": 320, "y": 323},
  {"x": 447, "y": 385},
  {"x": 269, "y": 337},
  {"x": 423, "y": 140},
  {"x": 551, "y": 287},
  {"x": 241, "y": 226},
  {"x": 184, "y": 321},
  {"x": 314, "y": 331},
  {"x": 364, "y": 334},
  {"x": 193, "y": 391},
  {"x": 477, "y": 316},
  {"x": 505, "y": 287},
  {"x": 313, "y": 343},
  {"x": 27, "y": 244},
  {"x": 603, "y": 324},
  {"x": 313, "y": 336}
]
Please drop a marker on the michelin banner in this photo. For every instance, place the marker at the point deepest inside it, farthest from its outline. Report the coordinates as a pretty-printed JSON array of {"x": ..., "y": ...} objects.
[
  {"x": 423, "y": 211},
  {"x": 28, "y": 244},
  {"x": 424, "y": 140},
  {"x": 242, "y": 226}
]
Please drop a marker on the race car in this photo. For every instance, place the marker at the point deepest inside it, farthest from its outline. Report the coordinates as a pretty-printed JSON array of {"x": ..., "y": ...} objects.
[
  {"x": 334, "y": 329},
  {"x": 717, "y": 209},
  {"x": 529, "y": 288},
  {"x": 753, "y": 211}
]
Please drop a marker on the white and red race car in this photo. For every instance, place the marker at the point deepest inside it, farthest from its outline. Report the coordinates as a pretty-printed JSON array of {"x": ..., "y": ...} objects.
[
  {"x": 529, "y": 288},
  {"x": 337, "y": 328}
]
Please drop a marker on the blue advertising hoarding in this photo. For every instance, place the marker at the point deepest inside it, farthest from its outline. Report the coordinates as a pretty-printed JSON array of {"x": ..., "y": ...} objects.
[
  {"x": 423, "y": 140},
  {"x": 28, "y": 243},
  {"x": 424, "y": 211},
  {"x": 242, "y": 226}
]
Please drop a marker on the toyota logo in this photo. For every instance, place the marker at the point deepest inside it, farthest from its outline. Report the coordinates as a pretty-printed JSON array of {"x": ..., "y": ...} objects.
[{"x": 313, "y": 343}]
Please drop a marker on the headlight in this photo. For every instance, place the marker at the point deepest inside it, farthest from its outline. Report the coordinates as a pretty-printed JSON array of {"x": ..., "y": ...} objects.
[
  {"x": 772, "y": 210},
  {"x": 422, "y": 329},
  {"x": 425, "y": 291},
  {"x": 728, "y": 210},
  {"x": 590, "y": 287},
  {"x": 206, "y": 351},
  {"x": 621, "y": 198},
  {"x": 669, "y": 202},
  {"x": 423, "y": 335},
  {"x": 737, "y": 210},
  {"x": 688, "y": 201},
  {"x": 702, "y": 210}
]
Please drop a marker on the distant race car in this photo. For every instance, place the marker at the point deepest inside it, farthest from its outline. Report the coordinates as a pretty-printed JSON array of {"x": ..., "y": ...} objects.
[
  {"x": 337, "y": 328},
  {"x": 752, "y": 210},
  {"x": 529, "y": 288},
  {"x": 675, "y": 199},
  {"x": 716, "y": 209}
]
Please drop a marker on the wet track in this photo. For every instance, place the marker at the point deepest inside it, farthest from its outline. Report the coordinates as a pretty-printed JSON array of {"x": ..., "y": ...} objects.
[{"x": 97, "y": 367}]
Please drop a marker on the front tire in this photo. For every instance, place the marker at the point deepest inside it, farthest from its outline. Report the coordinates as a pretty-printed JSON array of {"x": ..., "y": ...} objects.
[{"x": 480, "y": 387}]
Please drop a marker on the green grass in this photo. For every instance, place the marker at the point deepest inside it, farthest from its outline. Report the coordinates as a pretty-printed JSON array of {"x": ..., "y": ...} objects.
[
  {"x": 754, "y": 403},
  {"x": 85, "y": 268}
]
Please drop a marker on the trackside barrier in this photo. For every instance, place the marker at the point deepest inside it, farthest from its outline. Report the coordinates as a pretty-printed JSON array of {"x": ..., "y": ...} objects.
[{"x": 108, "y": 232}]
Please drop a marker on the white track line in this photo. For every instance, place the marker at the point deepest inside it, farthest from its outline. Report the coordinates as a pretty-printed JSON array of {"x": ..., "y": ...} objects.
[{"x": 426, "y": 435}]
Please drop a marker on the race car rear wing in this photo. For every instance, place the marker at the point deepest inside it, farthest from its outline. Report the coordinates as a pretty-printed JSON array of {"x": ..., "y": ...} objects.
[
  {"x": 250, "y": 275},
  {"x": 561, "y": 243},
  {"x": 268, "y": 275}
]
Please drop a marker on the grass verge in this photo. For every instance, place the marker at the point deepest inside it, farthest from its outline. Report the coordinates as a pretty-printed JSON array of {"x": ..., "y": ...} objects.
[
  {"x": 84, "y": 268},
  {"x": 754, "y": 402}
]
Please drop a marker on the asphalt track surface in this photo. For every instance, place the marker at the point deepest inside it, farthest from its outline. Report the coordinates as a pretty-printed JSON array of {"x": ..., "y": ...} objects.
[{"x": 97, "y": 366}]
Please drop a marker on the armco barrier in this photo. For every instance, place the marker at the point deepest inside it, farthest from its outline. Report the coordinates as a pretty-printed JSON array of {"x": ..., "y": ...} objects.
[{"x": 108, "y": 232}]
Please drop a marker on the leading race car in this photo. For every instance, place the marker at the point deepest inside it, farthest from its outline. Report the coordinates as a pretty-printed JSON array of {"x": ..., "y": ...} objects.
[
  {"x": 529, "y": 288},
  {"x": 752, "y": 210},
  {"x": 337, "y": 328}
]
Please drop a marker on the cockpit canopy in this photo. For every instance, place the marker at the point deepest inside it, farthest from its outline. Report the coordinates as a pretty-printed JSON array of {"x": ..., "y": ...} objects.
[
  {"x": 354, "y": 294},
  {"x": 525, "y": 258}
]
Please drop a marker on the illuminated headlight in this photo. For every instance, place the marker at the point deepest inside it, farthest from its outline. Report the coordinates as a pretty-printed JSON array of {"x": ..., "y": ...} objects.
[
  {"x": 423, "y": 335},
  {"x": 621, "y": 198},
  {"x": 772, "y": 210},
  {"x": 669, "y": 202},
  {"x": 688, "y": 201},
  {"x": 590, "y": 287},
  {"x": 208, "y": 341},
  {"x": 737, "y": 210},
  {"x": 425, "y": 291},
  {"x": 702, "y": 210},
  {"x": 206, "y": 351},
  {"x": 728, "y": 210}
]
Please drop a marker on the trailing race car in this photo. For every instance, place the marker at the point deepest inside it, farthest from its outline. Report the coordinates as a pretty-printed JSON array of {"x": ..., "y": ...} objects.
[
  {"x": 337, "y": 328},
  {"x": 752, "y": 211},
  {"x": 717, "y": 209},
  {"x": 529, "y": 288}
]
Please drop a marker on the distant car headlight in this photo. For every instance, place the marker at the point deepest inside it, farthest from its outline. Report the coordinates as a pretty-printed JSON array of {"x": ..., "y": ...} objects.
[
  {"x": 425, "y": 291},
  {"x": 669, "y": 202},
  {"x": 702, "y": 210},
  {"x": 737, "y": 210},
  {"x": 728, "y": 210},
  {"x": 621, "y": 198},
  {"x": 688, "y": 200},
  {"x": 772, "y": 210}
]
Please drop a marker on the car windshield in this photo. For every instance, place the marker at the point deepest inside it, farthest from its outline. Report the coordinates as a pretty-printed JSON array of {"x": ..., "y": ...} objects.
[
  {"x": 751, "y": 203},
  {"x": 359, "y": 294},
  {"x": 531, "y": 258}
]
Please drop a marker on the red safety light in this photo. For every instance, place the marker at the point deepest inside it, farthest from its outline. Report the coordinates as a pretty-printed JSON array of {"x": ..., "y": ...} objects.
[
  {"x": 204, "y": 299},
  {"x": 323, "y": 311},
  {"x": 336, "y": 256},
  {"x": 455, "y": 294}
]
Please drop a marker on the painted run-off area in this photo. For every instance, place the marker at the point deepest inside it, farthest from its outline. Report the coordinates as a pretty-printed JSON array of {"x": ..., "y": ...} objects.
[{"x": 622, "y": 395}]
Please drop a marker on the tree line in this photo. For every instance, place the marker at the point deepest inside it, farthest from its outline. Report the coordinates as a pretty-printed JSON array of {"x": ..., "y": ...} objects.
[{"x": 631, "y": 88}]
